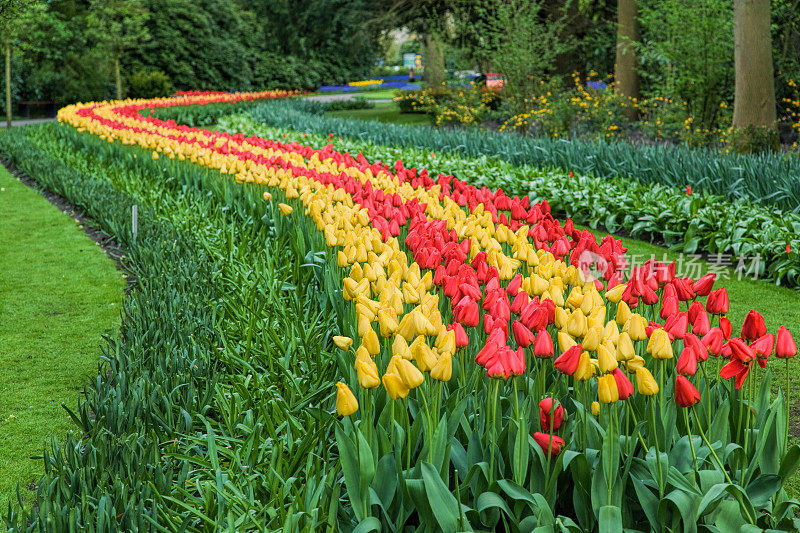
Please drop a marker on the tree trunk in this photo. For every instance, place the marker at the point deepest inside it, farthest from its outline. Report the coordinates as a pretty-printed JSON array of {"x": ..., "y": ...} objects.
[
  {"x": 754, "y": 95},
  {"x": 626, "y": 79},
  {"x": 8, "y": 83},
  {"x": 434, "y": 61},
  {"x": 118, "y": 78}
]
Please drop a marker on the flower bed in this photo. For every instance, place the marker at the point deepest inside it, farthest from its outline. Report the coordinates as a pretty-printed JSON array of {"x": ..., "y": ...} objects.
[{"x": 507, "y": 376}]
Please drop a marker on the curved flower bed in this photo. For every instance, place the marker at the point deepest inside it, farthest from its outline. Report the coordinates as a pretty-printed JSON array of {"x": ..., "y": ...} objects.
[{"x": 502, "y": 364}]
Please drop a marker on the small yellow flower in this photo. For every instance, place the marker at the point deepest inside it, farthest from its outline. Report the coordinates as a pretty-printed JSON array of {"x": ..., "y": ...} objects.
[
  {"x": 285, "y": 209},
  {"x": 343, "y": 343}
]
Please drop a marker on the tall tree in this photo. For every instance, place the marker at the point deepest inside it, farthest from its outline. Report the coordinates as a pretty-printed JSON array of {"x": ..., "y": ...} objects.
[
  {"x": 118, "y": 26},
  {"x": 12, "y": 21},
  {"x": 754, "y": 96},
  {"x": 626, "y": 78}
]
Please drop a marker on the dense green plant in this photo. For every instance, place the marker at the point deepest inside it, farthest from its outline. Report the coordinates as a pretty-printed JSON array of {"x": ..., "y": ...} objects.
[
  {"x": 224, "y": 346},
  {"x": 148, "y": 84}
]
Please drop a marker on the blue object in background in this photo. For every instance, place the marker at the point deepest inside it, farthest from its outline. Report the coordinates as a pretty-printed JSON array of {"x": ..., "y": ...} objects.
[{"x": 599, "y": 85}]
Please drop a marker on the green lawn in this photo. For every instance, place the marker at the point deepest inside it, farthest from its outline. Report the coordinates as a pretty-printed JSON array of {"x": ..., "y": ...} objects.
[
  {"x": 59, "y": 293},
  {"x": 383, "y": 112}
]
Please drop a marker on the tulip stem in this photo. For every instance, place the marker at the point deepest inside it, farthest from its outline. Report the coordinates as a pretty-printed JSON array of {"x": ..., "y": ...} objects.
[
  {"x": 636, "y": 424},
  {"x": 691, "y": 442},
  {"x": 609, "y": 482},
  {"x": 658, "y": 450},
  {"x": 496, "y": 386},
  {"x": 719, "y": 463},
  {"x": 786, "y": 441}
]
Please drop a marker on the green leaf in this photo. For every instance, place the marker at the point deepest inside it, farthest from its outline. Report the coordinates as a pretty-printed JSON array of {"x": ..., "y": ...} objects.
[
  {"x": 761, "y": 489},
  {"x": 790, "y": 462},
  {"x": 368, "y": 524},
  {"x": 442, "y": 502},
  {"x": 610, "y": 518}
]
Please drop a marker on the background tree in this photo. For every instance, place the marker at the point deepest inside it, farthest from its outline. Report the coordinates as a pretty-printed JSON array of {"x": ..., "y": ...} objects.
[
  {"x": 119, "y": 26},
  {"x": 754, "y": 101},
  {"x": 626, "y": 76},
  {"x": 14, "y": 17}
]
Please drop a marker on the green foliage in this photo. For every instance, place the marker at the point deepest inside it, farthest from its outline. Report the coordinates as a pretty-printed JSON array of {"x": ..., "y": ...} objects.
[
  {"x": 148, "y": 84},
  {"x": 687, "y": 51}
]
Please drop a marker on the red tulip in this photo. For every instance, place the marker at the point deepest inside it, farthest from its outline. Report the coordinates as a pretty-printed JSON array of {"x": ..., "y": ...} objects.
[
  {"x": 515, "y": 285},
  {"x": 487, "y": 353},
  {"x": 704, "y": 285},
  {"x": 544, "y": 440},
  {"x": 522, "y": 335},
  {"x": 516, "y": 361},
  {"x": 763, "y": 345},
  {"x": 726, "y": 327},
  {"x": 688, "y": 190},
  {"x": 520, "y": 301},
  {"x": 753, "y": 326},
  {"x": 495, "y": 369},
  {"x": 699, "y": 320},
  {"x": 713, "y": 341},
  {"x": 568, "y": 361},
  {"x": 684, "y": 289},
  {"x": 785, "y": 346},
  {"x": 741, "y": 351},
  {"x": 461, "y": 336},
  {"x": 676, "y": 325},
  {"x": 686, "y": 395},
  {"x": 548, "y": 411},
  {"x": 687, "y": 362},
  {"x": 624, "y": 385},
  {"x": 693, "y": 341},
  {"x": 669, "y": 307},
  {"x": 737, "y": 369},
  {"x": 717, "y": 302},
  {"x": 544, "y": 345}
]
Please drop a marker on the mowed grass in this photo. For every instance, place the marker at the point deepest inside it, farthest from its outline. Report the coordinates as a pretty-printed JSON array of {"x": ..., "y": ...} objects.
[
  {"x": 384, "y": 112},
  {"x": 59, "y": 293}
]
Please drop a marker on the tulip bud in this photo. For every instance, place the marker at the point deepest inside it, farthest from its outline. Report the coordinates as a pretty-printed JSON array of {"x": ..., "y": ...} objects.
[
  {"x": 443, "y": 369},
  {"x": 624, "y": 385},
  {"x": 606, "y": 360},
  {"x": 753, "y": 326},
  {"x": 568, "y": 361},
  {"x": 346, "y": 403},
  {"x": 635, "y": 326},
  {"x": 607, "y": 391},
  {"x": 343, "y": 343},
  {"x": 596, "y": 408},
  {"x": 686, "y": 395},
  {"x": 544, "y": 345},
  {"x": 551, "y": 444},
  {"x": 585, "y": 370},
  {"x": 785, "y": 346},
  {"x": 410, "y": 374},
  {"x": 645, "y": 382},
  {"x": 285, "y": 209},
  {"x": 592, "y": 339},
  {"x": 367, "y": 373},
  {"x": 687, "y": 362},
  {"x": 394, "y": 386},
  {"x": 659, "y": 345},
  {"x": 371, "y": 343},
  {"x": 550, "y": 411},
  {"x": 615, "y": 295}
]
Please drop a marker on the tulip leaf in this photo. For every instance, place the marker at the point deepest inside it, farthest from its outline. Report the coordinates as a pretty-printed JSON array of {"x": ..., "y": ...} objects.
[
  {"x": 350, "y": 468},
  {"x": 762, "y": 488},
  {"x": 367, "y": 525},
  {"x": 521, "y": 452},
  {"x": 685, "y": 504},
  {"x": 790, "y": 461},
  {"x": 649, "y": 503},
  {"x": 384, "y": 484},
  {"x": 442, "y": 502},
  {"x": 491, "y": 500},
  {"x": 610, "y": 518}
]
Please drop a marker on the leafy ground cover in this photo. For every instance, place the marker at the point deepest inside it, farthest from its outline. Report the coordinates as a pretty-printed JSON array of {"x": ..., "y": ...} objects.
[
  {"x": 58, "y": 294},
  {"x": 385, "y": 112},
  {"x": 189, "y": 396}
]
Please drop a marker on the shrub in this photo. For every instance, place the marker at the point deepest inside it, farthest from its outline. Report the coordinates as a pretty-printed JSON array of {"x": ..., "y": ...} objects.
[{"x": 148, "y": 84}]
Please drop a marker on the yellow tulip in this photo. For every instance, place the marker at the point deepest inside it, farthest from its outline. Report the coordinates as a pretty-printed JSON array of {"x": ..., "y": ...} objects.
[
  {"x": 577, "y": 324},
  {"x": 341, "y": 259},
  {"x": 267, "y": 197},
  {"x": 611, "y": 332},
  {"x": 346, "y": 403},
  {"x": 636, "y": 327},
  {"x": 633, "y": 364},
  {"x": 625, "y": 350},
  {"x": 575, "y": 298},
  {"x": 343, "y": 343},
  {"x": 410, "y": 374},
  {"x": 422, "y": 354},
  {"x": 565, "y": 341},
  {"x": 561, "y": 318},
  {"x": 400, "y": 347},
  {"x": 592, "y": 339},
  {"x": 607, "y": 391},
  {"x": 285, "y": 209},
  {"x": 605, "y": 359},
  {"x": 659, "y": 344},
  {"x": 394, "y": 386},
  {"x": 446, "y": 341},
  {"x": 595, "y": 409},
  {"x": 387, "y": 322},
  {"x": 645, "y": 382},
  {"x": 585, "y": 370},
  {"x": 367, "y": 372},
  {"x": 371, "y": 343},
  {"x": 623, "y": 313},
  {"x": 615, "y": 295},
  {"x": 443, "y": 368},
  {"x": 364, "y": 325},
  {"x": 155, "y": 155}
]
